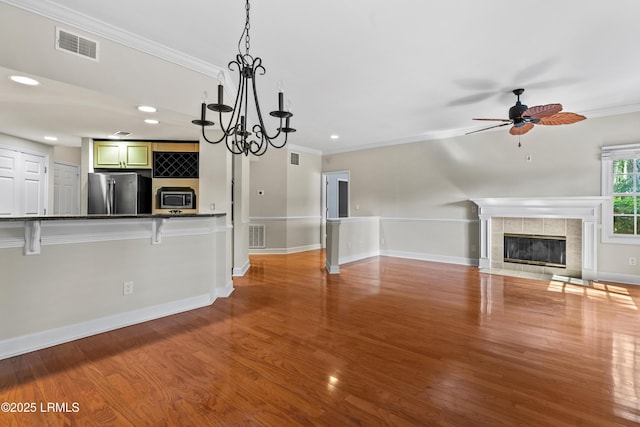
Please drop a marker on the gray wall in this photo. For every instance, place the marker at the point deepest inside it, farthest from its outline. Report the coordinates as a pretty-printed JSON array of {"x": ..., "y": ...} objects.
[{"x": 290, "y": 204}]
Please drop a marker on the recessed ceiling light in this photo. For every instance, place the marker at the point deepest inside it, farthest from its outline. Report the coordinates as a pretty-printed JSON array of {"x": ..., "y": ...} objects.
[
  {"x": 151, "y": 121},
  {"x": 335, "y": 136},
  {"x": 147, "y": 109},
  {"x": 51, "y": 138},
  {"x": 24, "y": 80}
]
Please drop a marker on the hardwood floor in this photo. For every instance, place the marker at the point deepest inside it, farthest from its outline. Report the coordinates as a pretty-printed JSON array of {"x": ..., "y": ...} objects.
[{"x": 387, "y": 342}]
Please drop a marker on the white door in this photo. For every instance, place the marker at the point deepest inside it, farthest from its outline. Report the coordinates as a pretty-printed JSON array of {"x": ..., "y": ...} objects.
[
  {"x": 9, "y": 202},
  {"x": 66, "y": 195},
  {"x": 22, "y": 183},
  {"x": 33, "y": 184}
]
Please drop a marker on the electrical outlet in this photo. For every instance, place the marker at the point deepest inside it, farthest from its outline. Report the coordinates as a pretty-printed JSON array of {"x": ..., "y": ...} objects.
[
  {"x": 127, "y": 288},
  {"x": 632, "y": 260}
]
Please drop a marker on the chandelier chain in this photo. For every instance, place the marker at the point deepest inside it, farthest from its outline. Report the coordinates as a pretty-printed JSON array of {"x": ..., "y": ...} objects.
[{"x": 247, "y": 26}]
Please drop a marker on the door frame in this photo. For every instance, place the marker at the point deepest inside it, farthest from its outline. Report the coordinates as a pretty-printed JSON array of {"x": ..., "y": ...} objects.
[{"x": 324, "y": 205}]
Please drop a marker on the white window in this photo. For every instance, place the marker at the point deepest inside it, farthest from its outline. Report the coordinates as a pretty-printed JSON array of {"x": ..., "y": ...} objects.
[{"x": 621, "y": 183}]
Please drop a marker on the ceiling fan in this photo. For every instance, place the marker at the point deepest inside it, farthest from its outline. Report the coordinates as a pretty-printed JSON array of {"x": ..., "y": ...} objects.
[{"x": 524, "y": 118}]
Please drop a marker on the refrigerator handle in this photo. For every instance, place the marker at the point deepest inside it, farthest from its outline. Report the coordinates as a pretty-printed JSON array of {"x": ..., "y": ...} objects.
[{"x": 111, "y": 196}]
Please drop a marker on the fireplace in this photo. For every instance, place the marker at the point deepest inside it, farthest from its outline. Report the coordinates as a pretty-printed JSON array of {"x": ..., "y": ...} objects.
[
  {"x": 577, "y": 218},
  {"x": 531, "y": 249},
  {"x": 536, "y": 246}
]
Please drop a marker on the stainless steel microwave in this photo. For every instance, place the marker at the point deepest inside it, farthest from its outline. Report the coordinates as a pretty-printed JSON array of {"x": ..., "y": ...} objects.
[{"x": 177, "y": 199}]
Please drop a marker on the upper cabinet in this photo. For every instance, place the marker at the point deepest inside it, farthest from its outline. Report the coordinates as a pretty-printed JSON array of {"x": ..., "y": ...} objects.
[
  {"x": 121, "y": 154},
  {"x": 183, "y": 147}
]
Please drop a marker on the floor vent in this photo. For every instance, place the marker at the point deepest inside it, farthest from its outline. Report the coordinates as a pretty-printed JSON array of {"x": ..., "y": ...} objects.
[
  {"x": 73, "y": 43},
  {"x": 256, "y": 236}
]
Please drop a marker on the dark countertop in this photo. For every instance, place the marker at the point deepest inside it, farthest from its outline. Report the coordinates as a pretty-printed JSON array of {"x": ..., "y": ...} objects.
[{"x": 100, "y": 216}]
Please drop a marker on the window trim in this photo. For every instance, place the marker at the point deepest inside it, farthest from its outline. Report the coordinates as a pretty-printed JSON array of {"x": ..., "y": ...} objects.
[{"x": 609, "y": 154}]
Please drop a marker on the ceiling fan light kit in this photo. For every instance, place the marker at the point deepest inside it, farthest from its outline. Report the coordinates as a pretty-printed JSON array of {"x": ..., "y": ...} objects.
[
  {"x": 236, "y": 134},
  {"x": 522, "y": 118}
]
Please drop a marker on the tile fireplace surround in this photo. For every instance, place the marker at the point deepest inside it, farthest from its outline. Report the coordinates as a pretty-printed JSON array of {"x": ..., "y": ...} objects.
[{"x": 534, "y": 215}]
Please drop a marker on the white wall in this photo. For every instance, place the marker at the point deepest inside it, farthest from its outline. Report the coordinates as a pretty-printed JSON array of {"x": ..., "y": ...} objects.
[
  {"x": 421, "y": 191},
  {"x": 241, "y": 189},
  {"x": 215, "y": 186}
]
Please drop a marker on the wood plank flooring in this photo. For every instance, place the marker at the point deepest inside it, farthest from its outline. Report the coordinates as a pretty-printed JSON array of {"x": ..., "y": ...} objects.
[{"x": 387, "y": 342}]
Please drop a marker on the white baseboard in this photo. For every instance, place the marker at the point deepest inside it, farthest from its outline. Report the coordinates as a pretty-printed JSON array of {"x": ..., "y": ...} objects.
[
  {"x": 39, "y": 340},
  {"x": 629, "y": 279},
  {"x": 226, "y": 291},
  {"x": 283, "y": 251},
  {"x": 241, "y": 271},
  {"x": 473, "y": 262},
  {"x": 357, "y": 257},
  {"x": 332, "y": 269}
]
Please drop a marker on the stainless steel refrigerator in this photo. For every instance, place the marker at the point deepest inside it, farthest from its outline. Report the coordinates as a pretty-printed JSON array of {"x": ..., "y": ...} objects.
[{"x": 119, "y": 193}]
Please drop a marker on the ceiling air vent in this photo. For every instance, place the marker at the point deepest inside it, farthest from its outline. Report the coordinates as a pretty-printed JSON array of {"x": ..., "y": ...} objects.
[
  {"x": 121, "y": 134},
  {"x": 295, "y": 158},
  {"x": 73, "y": 43}
]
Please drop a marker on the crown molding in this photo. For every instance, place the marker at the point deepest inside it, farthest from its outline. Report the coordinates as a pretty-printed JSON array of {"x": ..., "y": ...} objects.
[
  {"x": 613, "y": 111},
  {"x": 64, "y": 15}
]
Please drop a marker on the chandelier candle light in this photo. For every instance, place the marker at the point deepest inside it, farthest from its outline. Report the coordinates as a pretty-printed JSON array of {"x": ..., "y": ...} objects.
[{"x": 236, "y": 136}]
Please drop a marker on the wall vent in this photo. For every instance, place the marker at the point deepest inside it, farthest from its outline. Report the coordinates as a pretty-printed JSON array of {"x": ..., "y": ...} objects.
[
  {"x": 78, "y": 45},
  {"x": 295, "y": 159},
  {"x": 256, "y": 236}
]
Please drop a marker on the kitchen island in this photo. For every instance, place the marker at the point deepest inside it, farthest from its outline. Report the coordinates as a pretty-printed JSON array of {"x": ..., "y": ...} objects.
[{"x": 67, "y": 277}]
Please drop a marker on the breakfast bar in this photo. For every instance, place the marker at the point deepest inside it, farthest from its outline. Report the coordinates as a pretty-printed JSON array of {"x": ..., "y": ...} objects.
[{"x": 67, "y": 277}]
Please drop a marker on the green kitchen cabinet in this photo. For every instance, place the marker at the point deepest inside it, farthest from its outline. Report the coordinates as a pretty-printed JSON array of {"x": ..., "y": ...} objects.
[{"x": 122, "y": 155}]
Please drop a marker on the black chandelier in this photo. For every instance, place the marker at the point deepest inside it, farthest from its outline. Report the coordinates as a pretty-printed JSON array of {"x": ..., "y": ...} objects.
[{"x": 238, "y": 139}]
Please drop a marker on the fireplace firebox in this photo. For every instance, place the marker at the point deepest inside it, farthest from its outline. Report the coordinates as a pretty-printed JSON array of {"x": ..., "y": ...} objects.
[{"x": 534, "y": 249}]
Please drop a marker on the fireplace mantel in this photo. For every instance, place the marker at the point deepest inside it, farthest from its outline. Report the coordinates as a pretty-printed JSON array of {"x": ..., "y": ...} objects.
[{"x": 585, "y": 208}]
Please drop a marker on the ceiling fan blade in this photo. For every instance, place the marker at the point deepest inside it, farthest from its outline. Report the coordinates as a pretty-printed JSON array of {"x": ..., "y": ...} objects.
[
  {"x": 565, "y": 118},
  {"x": 540, "y": 111},
  {"x": 490, "y": 127},
  {"x": 521, "y": 130},
  {"x": 495, "y": 120}
]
